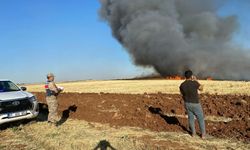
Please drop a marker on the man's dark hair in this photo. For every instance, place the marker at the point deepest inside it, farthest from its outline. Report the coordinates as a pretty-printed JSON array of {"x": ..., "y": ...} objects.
[{"x": 188, "y": 74}]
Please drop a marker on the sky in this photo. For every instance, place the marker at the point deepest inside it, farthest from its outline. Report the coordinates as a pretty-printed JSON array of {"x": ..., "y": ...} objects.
[{"x": 69, "y": 39}]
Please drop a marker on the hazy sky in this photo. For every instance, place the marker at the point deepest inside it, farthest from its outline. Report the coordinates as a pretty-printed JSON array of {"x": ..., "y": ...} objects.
[{"x": 69, "y": 39}]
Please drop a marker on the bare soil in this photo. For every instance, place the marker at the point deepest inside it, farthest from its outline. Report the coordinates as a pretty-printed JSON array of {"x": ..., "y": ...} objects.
[{"x": 149, "y": 111}]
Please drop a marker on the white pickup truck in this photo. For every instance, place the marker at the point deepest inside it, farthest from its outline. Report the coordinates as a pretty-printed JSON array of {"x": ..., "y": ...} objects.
[{"x": 16, "y": 103}]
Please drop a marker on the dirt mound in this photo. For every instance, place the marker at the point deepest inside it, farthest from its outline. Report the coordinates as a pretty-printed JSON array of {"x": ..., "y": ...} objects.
[{"x": 158, "y": 112}]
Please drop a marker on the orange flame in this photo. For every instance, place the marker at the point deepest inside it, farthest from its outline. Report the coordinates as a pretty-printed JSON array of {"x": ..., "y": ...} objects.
[
  {"x": 175, "y": 77},
  {"x": 209, "y": 78}
]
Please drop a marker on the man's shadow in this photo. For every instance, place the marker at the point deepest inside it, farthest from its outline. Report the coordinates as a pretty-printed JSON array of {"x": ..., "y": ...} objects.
[
  {"x": 169, "y": 119},
  {"x": 65, "y": 114},
  {"x": 43, "y": 112},
  {"x": 104, "y": 145}
]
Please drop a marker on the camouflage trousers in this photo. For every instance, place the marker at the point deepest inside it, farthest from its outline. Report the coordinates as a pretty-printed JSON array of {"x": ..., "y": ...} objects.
[{"x": 52, "y": 106}]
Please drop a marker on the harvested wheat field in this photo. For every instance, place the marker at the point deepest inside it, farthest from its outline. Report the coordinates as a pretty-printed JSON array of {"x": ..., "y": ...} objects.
[
  {"x": 135, "y": 115},
  {"x": 147, "y": 86}
]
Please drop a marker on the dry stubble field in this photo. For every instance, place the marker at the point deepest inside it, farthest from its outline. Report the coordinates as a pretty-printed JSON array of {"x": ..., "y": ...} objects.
[
  {"x": 147, "y": 86},
  {"x": 124, "y": 114}
]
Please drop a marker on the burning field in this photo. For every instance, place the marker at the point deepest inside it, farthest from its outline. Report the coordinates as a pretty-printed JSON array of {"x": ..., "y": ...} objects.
[
  {"x": 172, "y": 36},
  {"x": 169, "y": 37},
  {"x": 139, "y": 120}
]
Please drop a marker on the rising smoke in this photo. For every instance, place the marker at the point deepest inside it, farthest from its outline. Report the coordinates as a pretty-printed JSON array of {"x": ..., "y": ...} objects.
[{"x": 174, "y": 35}]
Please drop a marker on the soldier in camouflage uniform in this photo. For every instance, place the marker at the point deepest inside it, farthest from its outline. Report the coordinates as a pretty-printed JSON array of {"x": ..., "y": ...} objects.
[{"x": 52, "y": 92}]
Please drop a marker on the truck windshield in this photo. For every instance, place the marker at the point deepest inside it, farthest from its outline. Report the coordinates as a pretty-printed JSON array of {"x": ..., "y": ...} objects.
[{"x": 8, "y": 86}]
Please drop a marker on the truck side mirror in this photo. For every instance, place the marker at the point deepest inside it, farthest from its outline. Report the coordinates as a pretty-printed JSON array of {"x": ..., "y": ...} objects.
[{"x": 23, "y": 88}]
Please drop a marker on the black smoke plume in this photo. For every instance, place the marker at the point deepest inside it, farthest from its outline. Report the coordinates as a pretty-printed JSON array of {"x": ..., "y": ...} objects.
[{"x": 174, "y": 35}]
